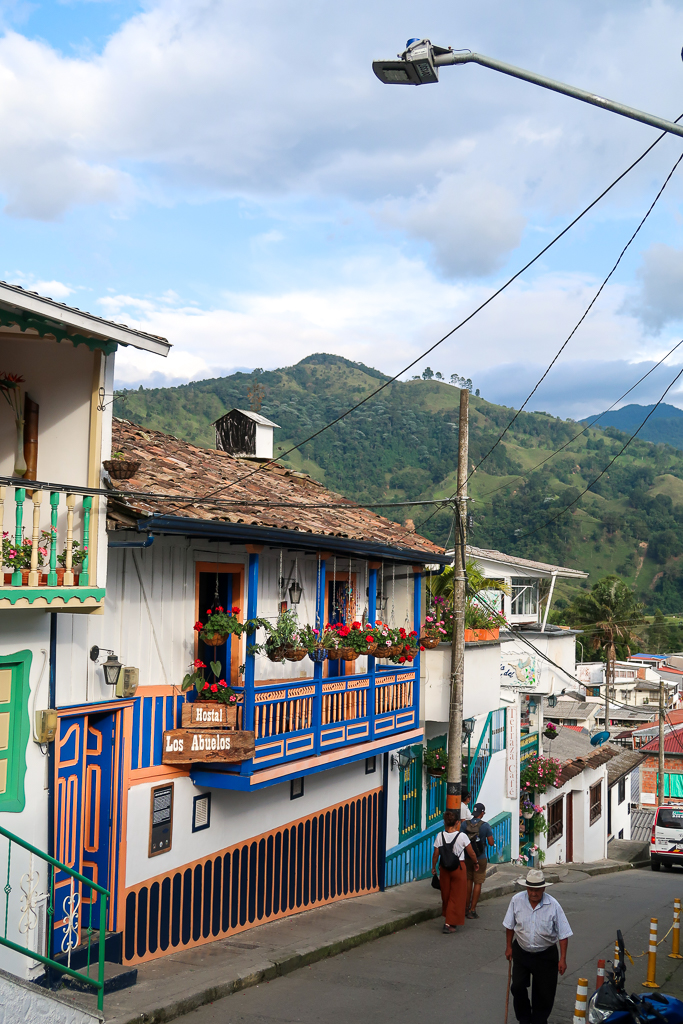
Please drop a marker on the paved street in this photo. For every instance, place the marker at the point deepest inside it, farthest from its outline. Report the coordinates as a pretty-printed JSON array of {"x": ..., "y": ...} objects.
[{"x": 420, "y": 974}]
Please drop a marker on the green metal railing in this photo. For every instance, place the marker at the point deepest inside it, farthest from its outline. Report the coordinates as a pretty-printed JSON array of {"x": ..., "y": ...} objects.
[{"x": 75, "y": 908}]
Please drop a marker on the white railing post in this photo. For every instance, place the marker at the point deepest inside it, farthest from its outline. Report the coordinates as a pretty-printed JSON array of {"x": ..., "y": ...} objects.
[
  {"x": 34, "y": 575},
  {"x": 68, "y": 571}
]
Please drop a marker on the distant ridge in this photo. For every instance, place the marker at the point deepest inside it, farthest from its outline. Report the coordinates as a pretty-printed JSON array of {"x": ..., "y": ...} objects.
[{"x": 665, "y": 426}]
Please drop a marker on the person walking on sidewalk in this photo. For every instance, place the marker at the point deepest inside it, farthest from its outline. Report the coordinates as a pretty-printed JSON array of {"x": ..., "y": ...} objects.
[
  {"x": 479, "y": 833},
  {"x": 451, "y": 847},
  {"x": 534, "y": 924}
]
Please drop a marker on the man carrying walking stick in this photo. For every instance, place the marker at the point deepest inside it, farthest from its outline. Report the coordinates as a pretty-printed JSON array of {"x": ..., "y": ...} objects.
[{"x": 534, "y": 924}]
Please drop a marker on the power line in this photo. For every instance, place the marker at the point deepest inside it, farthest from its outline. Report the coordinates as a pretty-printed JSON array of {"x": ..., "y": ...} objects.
[
  {"x": 587, "y": 427},
  {"x": 574, "y": 329},
  {"x": 463, "y": 322},
  {"x": 530, "y": 533}
]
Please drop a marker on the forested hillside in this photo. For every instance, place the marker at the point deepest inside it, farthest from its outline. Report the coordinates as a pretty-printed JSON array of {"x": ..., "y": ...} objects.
[{"x": 403, "y": 444}]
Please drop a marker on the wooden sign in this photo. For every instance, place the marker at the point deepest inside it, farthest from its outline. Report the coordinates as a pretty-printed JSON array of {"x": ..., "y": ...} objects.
[
  {"x": 209, "y": 715},
  {"x": 182, "y": 746}
]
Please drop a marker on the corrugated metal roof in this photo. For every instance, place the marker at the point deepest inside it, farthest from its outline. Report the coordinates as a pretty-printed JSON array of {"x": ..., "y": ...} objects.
[
  {"x": 172, "y": 467},
  {"x": 673, "y": 743},
  {"x": 256, "y": 416}
]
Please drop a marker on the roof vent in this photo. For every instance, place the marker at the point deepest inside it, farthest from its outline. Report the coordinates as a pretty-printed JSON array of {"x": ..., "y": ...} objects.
[{"x": 246, "y": 435}]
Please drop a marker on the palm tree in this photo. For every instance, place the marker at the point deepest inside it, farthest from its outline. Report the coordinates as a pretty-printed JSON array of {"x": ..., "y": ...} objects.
[
  {"x": 442, "y": 585},
  {"x": 608, "y": 613}
]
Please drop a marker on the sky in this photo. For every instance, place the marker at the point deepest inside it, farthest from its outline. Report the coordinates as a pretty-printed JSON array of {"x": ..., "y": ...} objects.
[{"x": 233, "y": 177}]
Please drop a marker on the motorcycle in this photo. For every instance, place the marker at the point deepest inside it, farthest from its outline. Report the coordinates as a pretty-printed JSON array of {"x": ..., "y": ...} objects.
[{"x": 612, "y": 1003}]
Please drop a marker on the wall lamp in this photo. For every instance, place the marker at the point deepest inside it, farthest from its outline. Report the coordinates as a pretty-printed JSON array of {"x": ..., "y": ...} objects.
[
  {"x": 401, "y": 760},
  {"x": 552, "y": 701},
  {"x": 468, "y": 726},
  {"x": 111, "y": 667}
]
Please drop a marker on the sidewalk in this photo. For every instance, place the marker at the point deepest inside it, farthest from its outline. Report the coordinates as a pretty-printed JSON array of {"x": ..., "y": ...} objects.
[{"x": 173, "y": 985}]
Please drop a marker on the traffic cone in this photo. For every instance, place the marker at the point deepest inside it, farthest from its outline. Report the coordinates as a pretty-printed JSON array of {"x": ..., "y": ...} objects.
[
  {"x": 600, "y": 979},
  {"x": 615, "y": 961},
  {"x": 676, "y": 940},
  {"x": 581, "y": 1000},
  {"x": 652, "y": 956}
]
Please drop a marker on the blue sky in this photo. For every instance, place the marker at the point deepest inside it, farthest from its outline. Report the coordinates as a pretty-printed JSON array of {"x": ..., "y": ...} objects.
[{"x": 233, "y": 177}]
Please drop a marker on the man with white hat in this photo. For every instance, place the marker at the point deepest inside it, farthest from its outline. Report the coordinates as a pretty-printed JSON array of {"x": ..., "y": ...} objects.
[{"x": 534, "y": 924}]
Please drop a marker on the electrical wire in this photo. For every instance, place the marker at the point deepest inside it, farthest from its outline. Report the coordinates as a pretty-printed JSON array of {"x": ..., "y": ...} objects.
[
  {"x": 463, "y": 322},
  {"x": 573, "y": 331},
  {"x": 530, "y": 533},
  {"x": 581, "y": 432}
]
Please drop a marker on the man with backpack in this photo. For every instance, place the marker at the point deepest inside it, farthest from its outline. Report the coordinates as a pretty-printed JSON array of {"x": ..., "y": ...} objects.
[{"x": 479, "y": 833}]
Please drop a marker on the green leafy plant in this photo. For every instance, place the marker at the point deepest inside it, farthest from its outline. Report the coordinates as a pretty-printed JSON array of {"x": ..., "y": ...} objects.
[
  {"x": 216, "y": 689},
  {"x": 220, "y": 623},
  {"x": 77, "y": 554},
  {"x": 539, "y": 824},
  {"x": 539, "y": 773},
  {"x": 435, "y": 760},
  {"x": 285, "y": 633},
  {"x": 19, "y": 556}
]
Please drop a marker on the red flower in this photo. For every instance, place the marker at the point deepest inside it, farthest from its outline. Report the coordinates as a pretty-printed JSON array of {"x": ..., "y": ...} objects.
[
  {"x": 222, "y": 682},
  {"x": 205, "y": 686},
  {"x": 422, "y": 648},
  {"x": 412, "y": 633},
  {"x": 198, "y": 626},
  {"x": 401, "y": 661},
  {"x": 198, "y": 664},
  {"x": 355, "y": 625},
  {"x": 214, "y": 688},
  {"x": 235, "y": 610},
  {"x": 220, "y": 609}
]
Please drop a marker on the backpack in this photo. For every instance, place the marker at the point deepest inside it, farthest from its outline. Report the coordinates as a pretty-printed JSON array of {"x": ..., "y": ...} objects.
[
  {"x": 450, "y": 861},
  {"x": 472, "y": 831}
]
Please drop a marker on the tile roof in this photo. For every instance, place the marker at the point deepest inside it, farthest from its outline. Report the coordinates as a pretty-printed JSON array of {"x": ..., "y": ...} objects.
[
  {"x": 672, "y": 718},
  {"x": 575, "y": 753},
  {"x": 570, "y": 769},
  {"x": 623, "y": 764},
  {"x": 176, "y": 470}
]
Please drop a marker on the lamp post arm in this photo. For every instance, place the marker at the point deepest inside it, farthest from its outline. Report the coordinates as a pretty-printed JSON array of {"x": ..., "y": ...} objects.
[{"x": 441, "y": 59}]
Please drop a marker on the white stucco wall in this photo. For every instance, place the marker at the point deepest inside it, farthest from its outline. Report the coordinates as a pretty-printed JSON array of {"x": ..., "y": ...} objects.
[
  {"x": 482, "y": 681},
  {"x": 590, "y": 840},
  {"x": 621, "y": 812},
  {"x": 24, "y": 1003}
]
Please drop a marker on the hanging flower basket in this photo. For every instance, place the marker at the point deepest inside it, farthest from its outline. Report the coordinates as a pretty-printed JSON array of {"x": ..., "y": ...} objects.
[
  {"x": 550, "y": 734},
  {"x": 317, "y": 654},
  {"x": 527, "y": 815},
  {"x": 371, "y": 649},
  {"x": 276, "y": 654},
  {"x": 295, "y": 653},
  {"x": 121, "y": 469},
  {"x": 430, "y": 642},
  {"x": 394, "y": 651},
  {"x": 217, "y": 640},
  {"x": 347, "y": 654}
]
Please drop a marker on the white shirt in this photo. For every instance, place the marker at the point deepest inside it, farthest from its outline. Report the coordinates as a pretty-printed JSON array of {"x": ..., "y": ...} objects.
[
  {"x": 536, "y": 928},
  {"x": 459, "y": 844},
  {"x": 465, "y": 814}
]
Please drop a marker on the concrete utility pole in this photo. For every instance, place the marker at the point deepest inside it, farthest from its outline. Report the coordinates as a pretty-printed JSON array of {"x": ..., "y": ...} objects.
[
  {"x": 609, "y": 679},
  {"x": 454, "y": 779},
  {"x": 660, "y": 787}
]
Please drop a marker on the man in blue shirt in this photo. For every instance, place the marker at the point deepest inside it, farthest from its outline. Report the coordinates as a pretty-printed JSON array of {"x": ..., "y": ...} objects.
[
  {"x": 534, "y": 924},
  {"x": 479, "y": 833}
]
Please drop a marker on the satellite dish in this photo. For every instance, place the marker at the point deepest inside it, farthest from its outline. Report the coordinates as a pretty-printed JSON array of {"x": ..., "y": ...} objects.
[{"x": 599, "y": 739}]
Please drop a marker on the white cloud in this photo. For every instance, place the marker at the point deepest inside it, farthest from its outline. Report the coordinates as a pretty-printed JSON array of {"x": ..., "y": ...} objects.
[{"x": 660, "y": 299}]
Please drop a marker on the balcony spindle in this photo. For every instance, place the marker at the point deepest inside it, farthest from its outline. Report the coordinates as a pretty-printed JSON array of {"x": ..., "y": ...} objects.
[
  {"x": 19, "y": 498},
  {"x": 54, "y": 510},
  {"x": 34, "y": 575},
  {"x": 2, "y": 529},
  {"x": 68, "y": 562},
  {"x": 83, "y": 580}
]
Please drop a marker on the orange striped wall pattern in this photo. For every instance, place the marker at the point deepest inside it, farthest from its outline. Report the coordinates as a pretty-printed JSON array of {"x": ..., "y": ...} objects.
[{"x": 319, "y": 859}]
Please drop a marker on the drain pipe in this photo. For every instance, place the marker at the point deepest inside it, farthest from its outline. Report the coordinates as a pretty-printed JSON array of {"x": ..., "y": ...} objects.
[
  {"x": 382, "y": 837},
  {"x": 133, "y": 543}
]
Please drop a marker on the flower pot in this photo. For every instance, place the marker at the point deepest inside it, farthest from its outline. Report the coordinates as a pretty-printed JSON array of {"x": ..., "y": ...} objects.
[
  {"x": 121, "y": 469},
  {"x": 527, "y": 815},
  {"x": 348, "y": 654},
  {"x": 477, "y": 635},
  {"x": 430, "y": 642},
  {"x": 394, "y": 651},
  {"x": 550, "y": 734},
  {"x": 318, "y": 654},
  {"x": 217, "y": 640},
  {"x": 436, "y": 773},
  {"x": 295, "y": 653},
  {"x": 371, "y": 649},
  {"x": 276, "y": 654}
]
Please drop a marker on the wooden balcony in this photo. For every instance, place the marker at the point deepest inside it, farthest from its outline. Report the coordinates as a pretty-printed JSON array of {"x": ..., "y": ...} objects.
[{"x": 44, "y": 566}]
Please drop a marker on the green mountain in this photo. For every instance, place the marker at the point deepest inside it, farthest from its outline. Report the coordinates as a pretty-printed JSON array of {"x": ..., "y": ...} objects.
[
  {"x": 665, "y": 425},
  {"x": 402, "y": 445}
]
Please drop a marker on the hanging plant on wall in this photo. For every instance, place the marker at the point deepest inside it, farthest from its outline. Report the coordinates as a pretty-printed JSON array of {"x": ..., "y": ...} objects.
[
  {"x": 539, "y": 773},
  {"x": 219, "y": 626}
]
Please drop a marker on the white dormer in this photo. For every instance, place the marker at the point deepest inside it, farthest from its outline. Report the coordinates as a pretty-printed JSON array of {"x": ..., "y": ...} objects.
[{"x": 245, "y": 434}]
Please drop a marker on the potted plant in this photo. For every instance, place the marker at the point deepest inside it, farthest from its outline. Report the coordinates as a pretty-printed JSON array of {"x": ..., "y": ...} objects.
[
  {"x": 389, "y": 644},
  {"x": 121, "y": 468},
  {"x": 219, "y": 626},
  {"x": 433, "y": 632},
  {"x": 319, "y": 642},
  {"x": 527, "y": 809},
  {"x": 435, "y": 761},
  {"x": 351, "y": 641},
  {"x": 550, "y": 731},
  {"x": 212, "y": 691},
  {"x": 539, "y": 773},
  {"x": 409, "y": 642},
  {"x": 481, "y": 624},
  {"x": 18, "y": 557},
  {"x": 285, "y": 640}
]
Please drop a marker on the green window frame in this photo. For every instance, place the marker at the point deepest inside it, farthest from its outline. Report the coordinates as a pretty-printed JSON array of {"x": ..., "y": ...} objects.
[
  {"x": 410, "y": 795},
  {"x": 436, "y": 788},
  {"x": 14, "y": 728},
  {"x": 673, "y": 784}
]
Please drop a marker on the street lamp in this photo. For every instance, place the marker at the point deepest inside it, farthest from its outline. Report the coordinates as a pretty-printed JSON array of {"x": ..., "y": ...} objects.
[{"x": 420, "y": 62}]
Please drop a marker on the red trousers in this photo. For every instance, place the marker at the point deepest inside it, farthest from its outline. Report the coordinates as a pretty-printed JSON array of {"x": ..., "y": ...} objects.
[{"x": 453, "y": 895}]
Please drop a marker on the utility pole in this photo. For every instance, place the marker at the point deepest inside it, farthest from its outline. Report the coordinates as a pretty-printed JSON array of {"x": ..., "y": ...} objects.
[
  {"x": 609, "y": 678},
  {"x": 660, "y": 787},
  {"x": 454, "y": 778}
]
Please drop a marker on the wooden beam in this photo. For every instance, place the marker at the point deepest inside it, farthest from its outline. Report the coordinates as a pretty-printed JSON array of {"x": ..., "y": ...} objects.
[{"x": 254, "y": 549}]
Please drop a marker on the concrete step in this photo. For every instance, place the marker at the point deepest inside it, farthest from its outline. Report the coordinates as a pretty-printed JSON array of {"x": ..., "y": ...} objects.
[{"x": 116, "y": 977}]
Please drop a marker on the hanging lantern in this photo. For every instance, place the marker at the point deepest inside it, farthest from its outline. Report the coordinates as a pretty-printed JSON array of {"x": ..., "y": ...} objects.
[
  {"x": 295, "y": 592},
  {"x": 112, "y": 669}
]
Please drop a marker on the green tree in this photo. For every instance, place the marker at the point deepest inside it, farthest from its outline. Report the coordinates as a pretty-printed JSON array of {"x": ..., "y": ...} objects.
[
  {"x": 427, "y": 373},
  {"x": 609, "y": 613}
]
